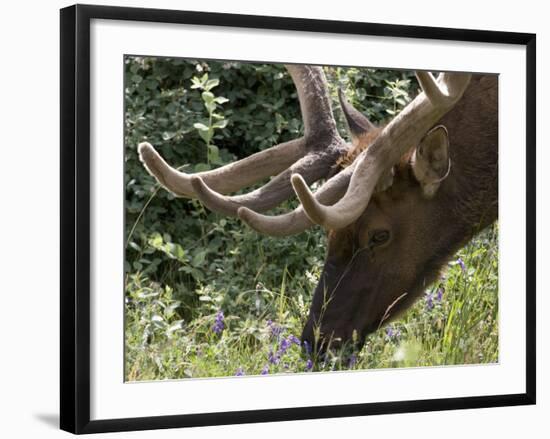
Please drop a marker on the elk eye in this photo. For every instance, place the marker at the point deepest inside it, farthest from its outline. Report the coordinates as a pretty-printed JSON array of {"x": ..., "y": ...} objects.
[{"x": 378, "y": 237}]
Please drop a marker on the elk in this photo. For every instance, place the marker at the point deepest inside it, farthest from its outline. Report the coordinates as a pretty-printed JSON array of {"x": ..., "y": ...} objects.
[{"x": 397, "y": 203}]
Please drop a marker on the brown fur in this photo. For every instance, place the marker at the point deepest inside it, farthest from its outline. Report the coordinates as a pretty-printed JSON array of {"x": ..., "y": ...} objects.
[
  {"x": 362, "y": 281},
  {"x": 362, "y": 143}
]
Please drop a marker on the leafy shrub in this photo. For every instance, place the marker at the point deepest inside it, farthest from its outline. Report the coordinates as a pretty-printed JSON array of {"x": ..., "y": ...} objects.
[
  {"x": 256, "y": 107},
  {"x": 186, "y": 265}
]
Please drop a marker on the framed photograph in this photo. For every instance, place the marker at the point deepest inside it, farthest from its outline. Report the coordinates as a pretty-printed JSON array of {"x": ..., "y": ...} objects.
[{"x": 268, "y": 218}]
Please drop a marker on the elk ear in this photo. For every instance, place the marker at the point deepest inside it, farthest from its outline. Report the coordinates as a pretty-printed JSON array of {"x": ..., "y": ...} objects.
[
  {"x": 430, "y": 161},
  {"x": 358, "y": 123}
]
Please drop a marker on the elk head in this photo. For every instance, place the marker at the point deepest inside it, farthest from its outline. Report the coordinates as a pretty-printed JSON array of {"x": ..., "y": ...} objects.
[{"x": 380, "y": 211}]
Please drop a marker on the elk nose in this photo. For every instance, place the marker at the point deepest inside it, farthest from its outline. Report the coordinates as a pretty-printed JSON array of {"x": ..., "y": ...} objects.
[{"x": 308, "y": 338}]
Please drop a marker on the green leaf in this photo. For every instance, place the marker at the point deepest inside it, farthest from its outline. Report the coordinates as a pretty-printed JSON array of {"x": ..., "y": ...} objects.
[
  {"x": 211, "y": 83},
  {"x": 210, "y": 106},
  {"x": 207, "y": 97},
  {"x": 170, "y": 309},
  {"x": 178, "y": 324},
  {"x": 213, "y": 154},
  {"x": 179, "y": 252},
  {"x": 199, "y": 258},
  {"x": 200, "y": 126},
  {"x": 197, "y": 83},
  {"x": 146, "y": 294},
  {"x": 167, "y": 135},
  {"x": 206, "y": 135},
  {"x": 220, "y": 124},
  {"x": 221, "y": 100},
  {"x": 155, "y": 241},
  {"x": 158, "y": 321},
  {"x": 135, "y": 246}
]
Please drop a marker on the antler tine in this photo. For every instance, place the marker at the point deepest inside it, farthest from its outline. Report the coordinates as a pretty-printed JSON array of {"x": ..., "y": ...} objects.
[
  {"x": 314, "y": 100},
  {"x": 444, "y": 90},
  {"x": 313, "y": 167},
  {"x": 429, "y": 86},
  {"x": 405, "y": 130},
  {"x": 360, "y": 188},
  {"x": 400, "y": 134},
  {"x": 297, "y": 221},
  {"x": 319, "y": 149},
  {"x": 228, "y": 178}
]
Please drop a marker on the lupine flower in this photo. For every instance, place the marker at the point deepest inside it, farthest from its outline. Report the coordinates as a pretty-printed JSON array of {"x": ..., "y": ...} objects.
[
  {"x": 309, "y": 364},
  {"x": 392, "y": 333},
  {"x": 240, "y": 372},
  {"x": 294, "y": 340},
  {"x": 460, "y": 262},
  {"x": 307, "y": 347},
  {"x": 272, "y": 358},
  {"x": 265, "y": 370},
  {"x": 218, "y": 323},
  {"x": 429, "y": 301},
  {"x": 274, "y": 328},
  {"x": 439, "y": 296},
  {"x": 285, "y": 344},
  {"x": 352, "y": 360}
]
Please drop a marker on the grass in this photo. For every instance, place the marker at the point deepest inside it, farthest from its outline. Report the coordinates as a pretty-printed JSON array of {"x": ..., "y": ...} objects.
[{"x": 237, "y": 308}]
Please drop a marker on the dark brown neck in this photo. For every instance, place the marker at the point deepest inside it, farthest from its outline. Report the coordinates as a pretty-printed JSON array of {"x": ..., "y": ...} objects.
[{"x": 470, "y": 193}]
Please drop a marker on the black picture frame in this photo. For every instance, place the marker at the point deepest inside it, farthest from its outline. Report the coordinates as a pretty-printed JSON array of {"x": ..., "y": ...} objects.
[{"x": 75, "y": 217}]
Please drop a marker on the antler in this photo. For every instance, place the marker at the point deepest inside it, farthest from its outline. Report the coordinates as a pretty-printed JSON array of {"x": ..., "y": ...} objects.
[
  {"x": 404, "y": 131},
  {"x": 312, "y": 156}
]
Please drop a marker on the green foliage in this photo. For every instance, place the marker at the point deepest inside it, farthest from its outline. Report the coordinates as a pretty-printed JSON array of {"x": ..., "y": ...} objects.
[
  {"x": 443, "y": 328},
  {"x": 216, "y": 121},
  {"x": 202, "y": 114},
  {"x": 185, "y": 264}
]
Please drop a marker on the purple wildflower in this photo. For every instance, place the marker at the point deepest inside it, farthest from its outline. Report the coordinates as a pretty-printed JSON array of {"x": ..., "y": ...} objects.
[
  {"x": 272, "y": 358},
  {"x": 352, "y": 360},
  {"x": 439, "y": 296},
  {"x": 285, "y": 344},
  {"x": 265, "y": 370},
  {"x": 307, "y": 347},
  {"x": 240, "y": 372},
  {"x": 309, "y": 364},
  {"x": 429, "y": 301},
  {"x": 294, "y": 340},
  {"x": 274, "y": 328},
  {"x": 218, "y": 323},
  {"x": 392, "y": 333},
  {"x": 460, "y": 262}
]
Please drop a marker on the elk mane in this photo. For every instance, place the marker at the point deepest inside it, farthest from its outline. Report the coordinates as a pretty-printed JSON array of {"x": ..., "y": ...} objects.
[{"x": 366, "y": 140}]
